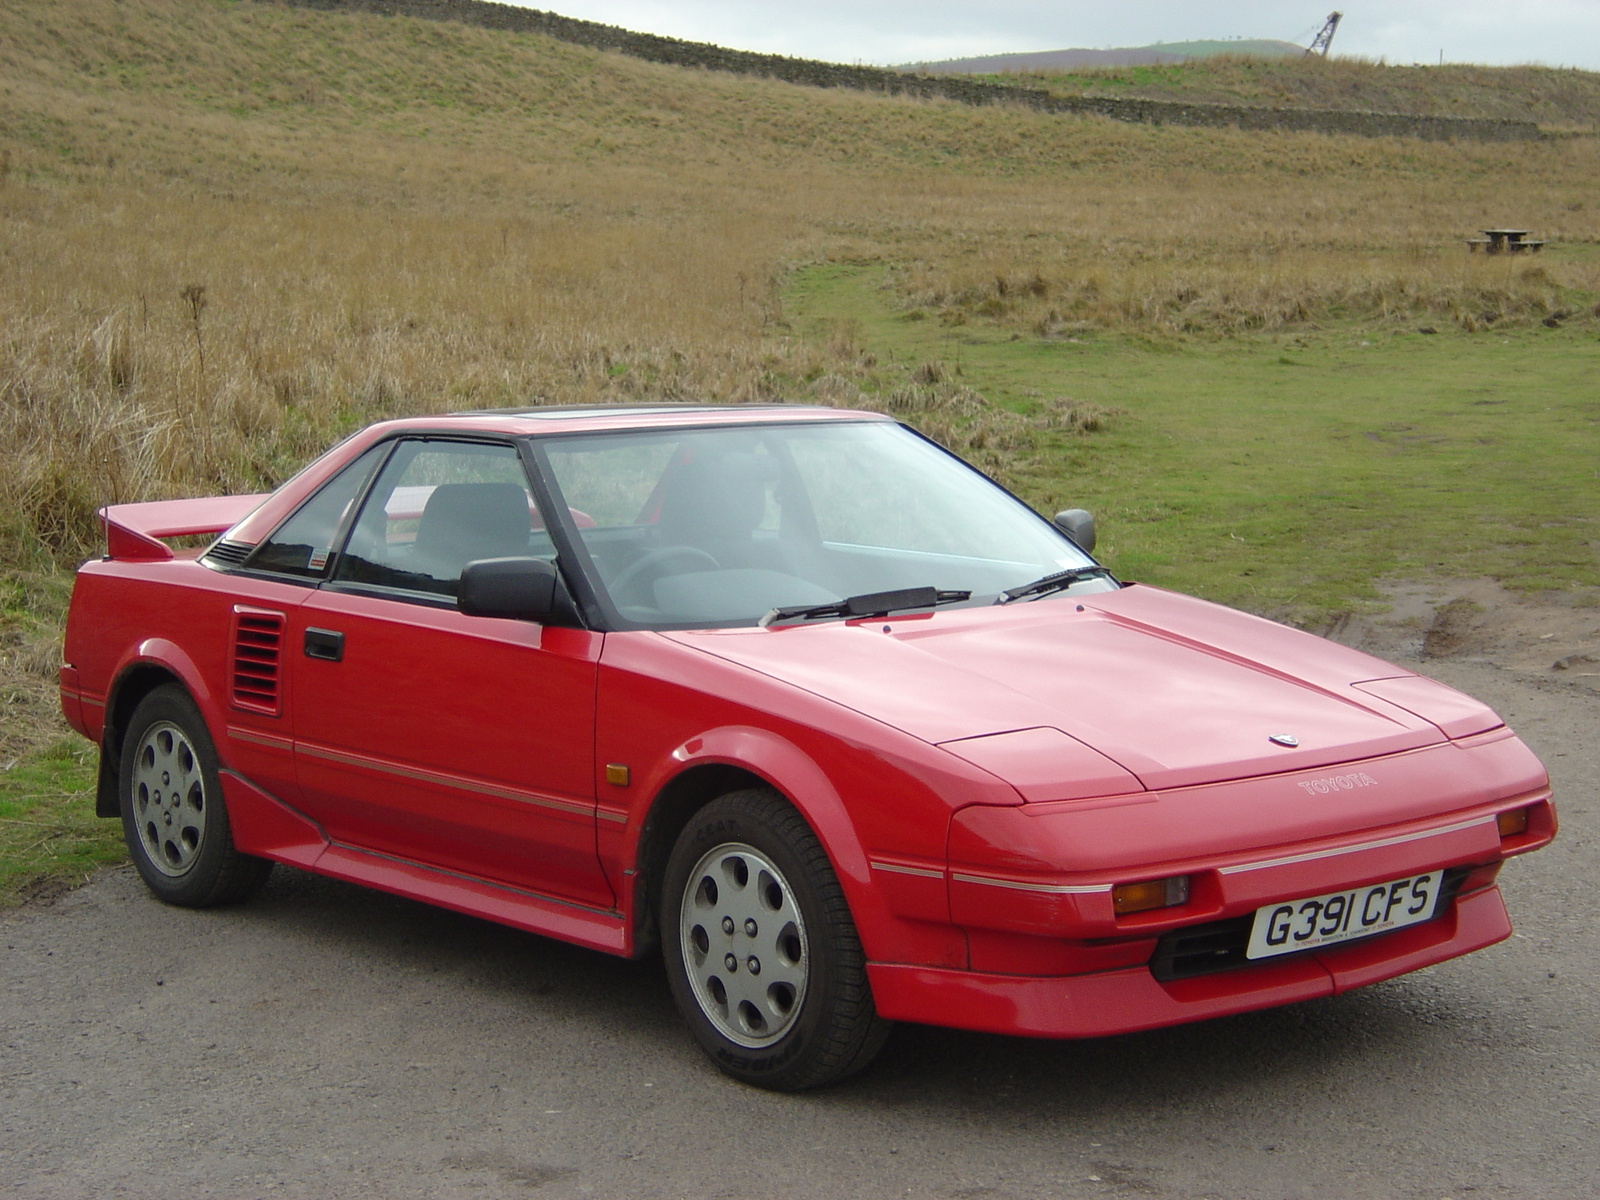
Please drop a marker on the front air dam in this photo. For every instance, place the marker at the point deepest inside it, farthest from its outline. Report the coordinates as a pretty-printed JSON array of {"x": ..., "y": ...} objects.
[{"x": 1130, "y": 999}]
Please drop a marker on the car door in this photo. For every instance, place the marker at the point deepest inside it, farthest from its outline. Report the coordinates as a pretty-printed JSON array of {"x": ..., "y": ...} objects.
[
  {"x": 263, "y": 591},
  {"x": 461, "y": 743}
]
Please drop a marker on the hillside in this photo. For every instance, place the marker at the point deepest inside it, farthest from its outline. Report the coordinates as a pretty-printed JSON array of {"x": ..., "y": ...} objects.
[
  {"x": 1554, "y": 97},
  {"x": 235, "y": 229},
  {"x": 1125, "y": 56},
  {"x": 232, "y": 231}
]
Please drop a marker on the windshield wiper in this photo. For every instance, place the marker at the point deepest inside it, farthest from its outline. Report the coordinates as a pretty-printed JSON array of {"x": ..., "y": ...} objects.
[
  {"x": 868, "y": 604},
  {"x": 1051, "y": 583}
]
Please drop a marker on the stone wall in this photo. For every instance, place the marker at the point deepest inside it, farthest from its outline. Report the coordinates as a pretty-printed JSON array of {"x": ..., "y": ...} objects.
[{"x": 947, "y": 87}]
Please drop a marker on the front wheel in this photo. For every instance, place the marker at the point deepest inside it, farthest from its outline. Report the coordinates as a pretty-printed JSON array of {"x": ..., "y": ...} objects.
[
  {"x": 762, "y": 955},
  {"x": 173, "y": 817}
]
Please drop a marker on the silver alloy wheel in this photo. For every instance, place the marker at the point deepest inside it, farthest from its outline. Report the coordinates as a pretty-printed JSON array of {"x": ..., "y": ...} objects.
[
  {"x": 169, "y": 798},
  {"x": 744, "y": 945}
]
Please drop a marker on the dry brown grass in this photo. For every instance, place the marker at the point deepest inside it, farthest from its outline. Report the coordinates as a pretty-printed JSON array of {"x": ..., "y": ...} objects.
[
  {"x": 233, "y": 231},
  {"x": 1281, "y": 289}
]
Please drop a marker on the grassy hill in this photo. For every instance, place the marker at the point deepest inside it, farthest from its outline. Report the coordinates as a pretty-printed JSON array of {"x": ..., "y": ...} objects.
[
  {"x": 1068, "y": 60},
  {"x": 1237, "y": 48},
  {"x": 232, "y": 231},
  {"x": 1554, "y": 97}
]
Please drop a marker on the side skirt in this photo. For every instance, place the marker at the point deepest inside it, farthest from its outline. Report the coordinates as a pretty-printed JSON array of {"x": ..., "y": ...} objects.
[{"x": 268, "y": 828}]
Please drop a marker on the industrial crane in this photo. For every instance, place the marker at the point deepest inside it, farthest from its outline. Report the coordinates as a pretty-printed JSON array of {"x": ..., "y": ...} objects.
[{"x": 1324, "y": 39}]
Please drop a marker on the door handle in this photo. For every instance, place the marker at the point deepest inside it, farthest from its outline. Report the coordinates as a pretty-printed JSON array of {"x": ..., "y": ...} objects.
[{"x": 326, "y": 644}]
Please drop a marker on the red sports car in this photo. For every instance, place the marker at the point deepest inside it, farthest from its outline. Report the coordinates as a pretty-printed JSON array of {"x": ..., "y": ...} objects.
[{"x": 846, "y": 730}]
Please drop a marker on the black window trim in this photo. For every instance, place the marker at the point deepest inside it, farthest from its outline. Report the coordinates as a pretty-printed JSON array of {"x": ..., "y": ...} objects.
[
  {"x": 336, "y": 546},
  {"x": 376, "y": 591},
  {"x": 572, "y": 558}
]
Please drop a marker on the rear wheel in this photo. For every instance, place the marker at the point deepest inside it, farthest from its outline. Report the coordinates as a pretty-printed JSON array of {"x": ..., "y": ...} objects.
[
  {"x": 173, "y": 816},
  {"x": 761, "y": 952}
]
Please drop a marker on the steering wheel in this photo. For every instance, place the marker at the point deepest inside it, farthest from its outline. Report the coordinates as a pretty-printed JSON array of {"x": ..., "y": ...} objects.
[{"x": 651, "y": 566}]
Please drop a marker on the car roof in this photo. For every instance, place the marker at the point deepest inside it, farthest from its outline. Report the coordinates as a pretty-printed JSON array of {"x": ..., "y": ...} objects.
[{"x": 610, "y": 418}]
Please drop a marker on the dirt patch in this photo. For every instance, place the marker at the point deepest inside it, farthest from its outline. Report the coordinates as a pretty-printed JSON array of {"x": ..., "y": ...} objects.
[
  {"x": 47, "y": 889},
  {"x": 1554, "y": 635},
  {"x": 1452, "y": 629}
]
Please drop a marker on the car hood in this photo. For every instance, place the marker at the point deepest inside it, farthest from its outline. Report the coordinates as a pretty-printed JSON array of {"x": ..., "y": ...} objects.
[{"x": 1174, "y": 690}]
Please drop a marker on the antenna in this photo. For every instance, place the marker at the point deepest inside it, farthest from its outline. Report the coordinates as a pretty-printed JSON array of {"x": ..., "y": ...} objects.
[{"x": 1324, "y": 39}]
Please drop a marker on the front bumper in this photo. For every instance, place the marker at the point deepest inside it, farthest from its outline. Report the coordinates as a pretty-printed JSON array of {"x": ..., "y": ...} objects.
[{"x": 1131, "y": 999}]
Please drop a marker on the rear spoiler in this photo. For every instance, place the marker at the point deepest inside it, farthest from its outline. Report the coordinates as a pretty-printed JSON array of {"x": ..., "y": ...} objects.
[{"x": 135, "y": 530}]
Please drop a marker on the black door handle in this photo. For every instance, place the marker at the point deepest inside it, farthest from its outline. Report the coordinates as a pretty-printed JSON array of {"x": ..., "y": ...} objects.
[{"x": 326, "y": 644}]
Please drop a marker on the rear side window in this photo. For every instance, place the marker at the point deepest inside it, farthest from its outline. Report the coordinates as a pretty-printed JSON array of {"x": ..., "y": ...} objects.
[
  {"x": 437, "y": 506},
  {"x": 304, "y": 543}
]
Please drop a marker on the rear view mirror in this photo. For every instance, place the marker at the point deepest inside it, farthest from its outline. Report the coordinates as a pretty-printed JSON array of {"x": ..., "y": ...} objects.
[
  {"x": 526, "y": 589},
  {"x": 1077, "y": 524}
]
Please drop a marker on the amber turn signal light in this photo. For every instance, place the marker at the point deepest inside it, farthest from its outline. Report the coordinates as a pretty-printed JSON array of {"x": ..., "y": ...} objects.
[
  {"x": 1151, "y": 893},
  {"x": 1512, "y": 822}
]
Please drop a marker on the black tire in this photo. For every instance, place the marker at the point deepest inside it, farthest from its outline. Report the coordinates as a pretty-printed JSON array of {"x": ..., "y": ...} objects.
[
  {"x": 173, "y": 815},
  {"x": 761, "y": 953}
]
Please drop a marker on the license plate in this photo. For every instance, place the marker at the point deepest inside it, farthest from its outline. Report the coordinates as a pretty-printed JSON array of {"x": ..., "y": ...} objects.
[{"x": 1341, "y": 916}]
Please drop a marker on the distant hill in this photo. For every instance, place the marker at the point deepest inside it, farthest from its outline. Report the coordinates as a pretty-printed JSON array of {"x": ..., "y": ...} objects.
[
  {"x": 1554, "y": 98},
  {"x": 1127, "y": 56}
]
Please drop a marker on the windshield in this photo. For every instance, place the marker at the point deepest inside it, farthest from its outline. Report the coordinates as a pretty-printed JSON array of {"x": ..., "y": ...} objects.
[{"x": 717, "y": 526}]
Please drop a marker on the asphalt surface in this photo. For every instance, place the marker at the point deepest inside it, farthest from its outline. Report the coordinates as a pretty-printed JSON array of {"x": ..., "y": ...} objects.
[{"x": 325, "y": 1041}]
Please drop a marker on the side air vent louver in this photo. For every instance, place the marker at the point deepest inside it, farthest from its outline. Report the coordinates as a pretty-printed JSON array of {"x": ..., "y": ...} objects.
[
  {"x": 257, "y": 659},
  {"x": 229, "y": 554}
]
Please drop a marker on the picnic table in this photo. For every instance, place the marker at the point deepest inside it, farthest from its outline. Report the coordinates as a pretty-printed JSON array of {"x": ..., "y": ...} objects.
[{"x": 1504, "y": 241}]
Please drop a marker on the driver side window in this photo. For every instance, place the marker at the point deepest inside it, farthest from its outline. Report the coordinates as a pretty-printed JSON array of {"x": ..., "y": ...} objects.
[{"x": 437, "y": 506}]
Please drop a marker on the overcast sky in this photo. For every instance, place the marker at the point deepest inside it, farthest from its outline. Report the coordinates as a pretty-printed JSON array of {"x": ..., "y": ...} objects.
[{"x": 1554, "y": 32}]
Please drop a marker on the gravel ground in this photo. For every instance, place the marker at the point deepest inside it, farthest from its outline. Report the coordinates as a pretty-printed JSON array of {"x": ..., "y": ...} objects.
[{"x": 324, "y": 1041}]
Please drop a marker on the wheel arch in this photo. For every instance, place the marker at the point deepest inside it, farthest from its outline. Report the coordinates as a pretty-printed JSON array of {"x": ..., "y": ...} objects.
[
  {"x": 154, "y": 665},
  {"x": 674, "y": 806},
  {"x": 726, "y": 760}
]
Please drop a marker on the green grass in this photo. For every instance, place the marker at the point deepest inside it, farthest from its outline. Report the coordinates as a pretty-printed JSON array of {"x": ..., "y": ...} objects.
[
  {"x": 49, "y": 835},
  {"x": 1290, "y": 474},
  {"x": 393, "y": 216},
  {"x": 1251, "y": 48},
  {"x": 1556, "y": 97},
  {"x": 1176, "y": 78}
]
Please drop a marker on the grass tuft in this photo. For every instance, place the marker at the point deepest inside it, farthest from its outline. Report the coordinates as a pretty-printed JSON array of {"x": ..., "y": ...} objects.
[{"x": 50, "y": 838}]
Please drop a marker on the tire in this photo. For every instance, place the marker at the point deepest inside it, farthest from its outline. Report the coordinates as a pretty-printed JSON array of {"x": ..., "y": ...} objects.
[
  {"x": 173, "y": 815},
  {"x": 761, "y": 953}
]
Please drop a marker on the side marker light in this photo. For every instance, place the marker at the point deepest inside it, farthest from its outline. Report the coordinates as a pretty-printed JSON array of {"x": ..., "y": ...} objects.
[{"x": 1512, "y": 822}]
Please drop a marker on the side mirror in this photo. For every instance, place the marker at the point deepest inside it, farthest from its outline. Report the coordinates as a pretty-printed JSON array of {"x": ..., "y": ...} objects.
[
  {"x": 1077, "y": 524},
  {"x": 525, "y": 589}
]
